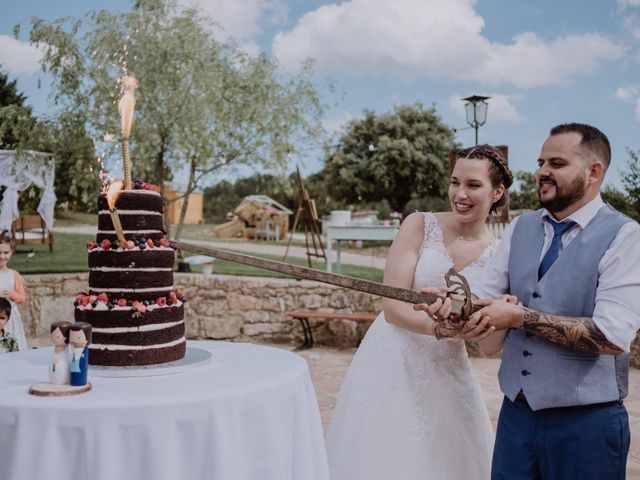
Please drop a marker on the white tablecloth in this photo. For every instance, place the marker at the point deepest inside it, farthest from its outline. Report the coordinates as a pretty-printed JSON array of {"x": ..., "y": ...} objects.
[{"x": 249, "y": 414}]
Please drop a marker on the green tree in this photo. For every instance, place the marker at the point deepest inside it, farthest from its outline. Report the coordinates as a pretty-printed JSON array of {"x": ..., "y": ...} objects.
[
  {"x": 397, "y": 156},
  {"x": 619, "y": 201},
  {"x": 526, "y": 196},
  {"x": 201, "y": 105},
  {"x": 631, "y": 181}
]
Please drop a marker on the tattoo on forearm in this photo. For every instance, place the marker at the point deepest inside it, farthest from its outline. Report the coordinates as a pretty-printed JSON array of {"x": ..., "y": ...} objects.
[{"x": 579, "y": 333}]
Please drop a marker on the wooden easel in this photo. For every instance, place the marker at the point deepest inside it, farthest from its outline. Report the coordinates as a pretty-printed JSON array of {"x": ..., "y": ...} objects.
[{"x": 308, "y": 216}]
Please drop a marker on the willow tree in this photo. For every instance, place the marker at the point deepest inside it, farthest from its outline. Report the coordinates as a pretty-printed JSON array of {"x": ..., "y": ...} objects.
[{"x": 201, "y": 106}]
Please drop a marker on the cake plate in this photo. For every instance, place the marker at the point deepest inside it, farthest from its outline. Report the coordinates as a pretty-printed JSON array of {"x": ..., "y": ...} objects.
[{"x": 193, "y": 358}]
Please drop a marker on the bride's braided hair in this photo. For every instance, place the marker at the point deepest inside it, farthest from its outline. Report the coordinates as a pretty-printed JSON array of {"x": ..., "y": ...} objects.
[{"x": 499, "y": 172}]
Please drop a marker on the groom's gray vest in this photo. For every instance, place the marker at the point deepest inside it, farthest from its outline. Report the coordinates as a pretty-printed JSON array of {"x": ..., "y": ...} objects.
[{"x": 551, "y": 375}]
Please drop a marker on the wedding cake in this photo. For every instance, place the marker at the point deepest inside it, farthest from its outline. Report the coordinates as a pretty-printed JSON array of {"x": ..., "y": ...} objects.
[{"x": 136, "y": 314}]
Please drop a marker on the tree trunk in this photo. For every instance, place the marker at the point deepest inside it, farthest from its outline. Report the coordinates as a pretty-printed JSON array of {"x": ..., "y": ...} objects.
[{"x": 185, "y": 201}]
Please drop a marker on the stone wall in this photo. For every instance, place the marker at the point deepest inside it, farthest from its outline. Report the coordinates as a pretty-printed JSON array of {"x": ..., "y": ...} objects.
[{"x": 245, "y": 309}]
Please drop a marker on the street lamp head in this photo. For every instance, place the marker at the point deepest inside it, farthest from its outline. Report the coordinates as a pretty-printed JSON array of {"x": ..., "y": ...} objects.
[{"x": 476, "y": 110}]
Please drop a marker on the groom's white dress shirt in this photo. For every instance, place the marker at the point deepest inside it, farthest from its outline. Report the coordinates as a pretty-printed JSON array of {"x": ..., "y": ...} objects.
[{"x": 617, "y": 309}]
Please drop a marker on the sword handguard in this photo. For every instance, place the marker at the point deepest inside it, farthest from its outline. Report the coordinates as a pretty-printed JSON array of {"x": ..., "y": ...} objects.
[{"x": 461, "y": 306}]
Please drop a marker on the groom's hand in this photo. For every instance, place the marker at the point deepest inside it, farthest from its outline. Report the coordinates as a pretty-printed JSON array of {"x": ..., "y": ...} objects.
[{"x": 501, "y": 314}]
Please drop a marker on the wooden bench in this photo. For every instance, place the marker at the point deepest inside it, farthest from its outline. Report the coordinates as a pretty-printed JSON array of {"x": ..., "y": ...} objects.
[
  {"x": 304, "y": 315},
  {"x": 29, "y": 229}
]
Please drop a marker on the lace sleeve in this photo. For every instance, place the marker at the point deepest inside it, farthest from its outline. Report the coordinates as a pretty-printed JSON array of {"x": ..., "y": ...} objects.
[{"x": 489, "y": 252}]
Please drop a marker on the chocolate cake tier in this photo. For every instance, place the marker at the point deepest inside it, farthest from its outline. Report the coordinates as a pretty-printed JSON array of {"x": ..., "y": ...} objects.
[
  {"x": 139, "y": 338},
  {"x": 147, "y": 258},
  {"x": 106, "y": 281},
  {"x": 131, "y": 221},
  {"x": 128, "y": 357},
  {"x": 118, "y": 318},
  {"x": 134, "y": 200}
]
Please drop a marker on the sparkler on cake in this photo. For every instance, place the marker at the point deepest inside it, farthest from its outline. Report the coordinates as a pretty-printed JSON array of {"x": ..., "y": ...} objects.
[
  {"x": 126, "y": 106},
  {"x": 112, "y": 195}
]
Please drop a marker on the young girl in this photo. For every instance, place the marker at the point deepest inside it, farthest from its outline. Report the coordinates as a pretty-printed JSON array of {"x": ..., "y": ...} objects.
[
  {"x": 8, "y": 342},
  {"x": 11, "y": 288}
]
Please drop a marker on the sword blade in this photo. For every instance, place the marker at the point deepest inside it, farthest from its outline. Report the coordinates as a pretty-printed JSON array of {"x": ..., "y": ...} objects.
[{"x": 367, "y": 286}]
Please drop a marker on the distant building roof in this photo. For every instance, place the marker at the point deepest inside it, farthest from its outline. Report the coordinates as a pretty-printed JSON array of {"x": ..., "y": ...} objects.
[{"x": 267, "y": 201}]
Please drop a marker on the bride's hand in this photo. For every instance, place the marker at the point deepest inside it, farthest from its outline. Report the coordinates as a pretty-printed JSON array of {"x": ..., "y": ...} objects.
[
  {"x": 438, "y": 310},
  {"x": 476, "y": 329}
]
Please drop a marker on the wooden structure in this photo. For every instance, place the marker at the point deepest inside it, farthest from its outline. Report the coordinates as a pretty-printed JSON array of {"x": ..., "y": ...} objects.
[
  {"x": 194, "y": 215},
  {"x": 308, "y": 216},
  {"x": 31, "y": 229},
  {"x": 305, "y": 315},
  {"x": 257, "y": 217}
]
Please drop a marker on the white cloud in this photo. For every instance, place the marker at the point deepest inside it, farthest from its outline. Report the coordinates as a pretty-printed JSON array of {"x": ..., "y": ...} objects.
[
  {"x": 501, "y": 107},
  {"x": 630, "y": 94},
  {"x": 17, "y": 57},
  {"x": 335, "y": 124},
  {"x": 627, "y": 93},
  {"x": 437, "y": 39},
  {"x": 629, "y": 3},
  {"x": 242, "y": 19}
]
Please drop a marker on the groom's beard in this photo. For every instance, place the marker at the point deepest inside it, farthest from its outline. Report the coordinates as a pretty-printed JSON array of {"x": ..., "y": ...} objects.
[{"x": 565, "y": 196}]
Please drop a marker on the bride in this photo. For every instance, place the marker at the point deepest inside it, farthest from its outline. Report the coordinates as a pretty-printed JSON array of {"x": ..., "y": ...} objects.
[{"x": 410, "y": 407}]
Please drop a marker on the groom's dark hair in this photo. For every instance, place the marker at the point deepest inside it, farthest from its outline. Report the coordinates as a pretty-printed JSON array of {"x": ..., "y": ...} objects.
[{"x": 593, "y": 140}]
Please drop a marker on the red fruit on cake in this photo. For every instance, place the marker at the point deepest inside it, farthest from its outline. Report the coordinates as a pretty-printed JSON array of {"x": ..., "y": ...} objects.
[{"x": 103, "y": 297}]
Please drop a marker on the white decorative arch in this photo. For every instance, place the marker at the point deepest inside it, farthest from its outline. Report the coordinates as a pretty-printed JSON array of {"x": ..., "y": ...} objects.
[{"x": 18, "y": 170}]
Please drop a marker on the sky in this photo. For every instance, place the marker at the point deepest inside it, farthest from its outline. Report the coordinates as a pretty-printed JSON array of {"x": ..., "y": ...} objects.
[{"x": 542, "y": 63}]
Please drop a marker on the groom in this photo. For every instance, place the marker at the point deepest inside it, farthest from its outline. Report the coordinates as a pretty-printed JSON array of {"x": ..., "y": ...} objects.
[{"x": 564, "y": 372}]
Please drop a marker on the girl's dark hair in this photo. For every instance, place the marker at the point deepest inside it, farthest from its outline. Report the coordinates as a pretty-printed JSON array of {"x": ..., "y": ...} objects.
[
  {"x": 499, "y": 172},
  {"x": 5, "y": 306},
  {"x": 5, "y": 237}
]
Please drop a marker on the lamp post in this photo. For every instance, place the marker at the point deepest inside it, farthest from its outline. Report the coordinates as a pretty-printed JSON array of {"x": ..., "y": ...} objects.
[{"x": 476, "y": 110}]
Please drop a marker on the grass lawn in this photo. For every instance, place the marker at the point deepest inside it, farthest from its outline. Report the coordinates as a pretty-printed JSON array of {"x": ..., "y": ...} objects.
[{"x": 70, "y": 255}]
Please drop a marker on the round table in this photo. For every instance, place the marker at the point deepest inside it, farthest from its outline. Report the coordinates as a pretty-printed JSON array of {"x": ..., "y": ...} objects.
[{"x": 250, "y": 413}]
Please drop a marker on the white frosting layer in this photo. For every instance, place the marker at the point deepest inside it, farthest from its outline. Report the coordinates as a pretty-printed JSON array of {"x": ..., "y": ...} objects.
[
  {"x": 132, "y": 290},
  {"x": 130, "y": 212},
  {"x": 153, "y": 306},
  {"x": 132, "y": 269},
  {"x": 141, "y": 328},
  {"x": 132, "y": 232},
  {"x": 98, "y": 346}
]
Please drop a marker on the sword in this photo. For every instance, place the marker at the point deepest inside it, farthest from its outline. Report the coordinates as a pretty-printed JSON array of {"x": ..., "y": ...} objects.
[{"x": 459, "y": 293}]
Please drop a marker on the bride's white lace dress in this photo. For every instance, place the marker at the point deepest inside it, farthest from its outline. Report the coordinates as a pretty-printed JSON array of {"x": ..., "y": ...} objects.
[{"x": 410, "y": 406}]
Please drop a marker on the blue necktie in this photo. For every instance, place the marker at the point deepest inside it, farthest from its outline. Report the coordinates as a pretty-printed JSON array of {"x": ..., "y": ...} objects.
[{"x": 554, "y": 250}]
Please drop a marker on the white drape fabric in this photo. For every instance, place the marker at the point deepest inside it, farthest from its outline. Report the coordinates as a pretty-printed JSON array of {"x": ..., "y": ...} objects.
[{"x": 17, "y": 172}]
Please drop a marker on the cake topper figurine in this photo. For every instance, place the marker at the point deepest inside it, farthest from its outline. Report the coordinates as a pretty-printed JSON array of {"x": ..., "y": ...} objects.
[
  {"x": 126, "y": 106},
  {"x": 59, "y": 365},
  {"x": 66, "y": 376},
  {"x": 79, "y": 338}
]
